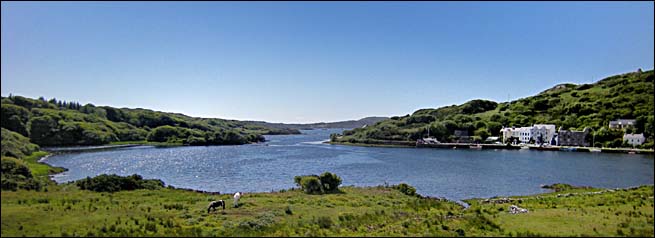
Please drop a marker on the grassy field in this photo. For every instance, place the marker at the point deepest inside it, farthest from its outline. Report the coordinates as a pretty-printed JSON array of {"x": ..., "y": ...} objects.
[{"x": 374, "y": 211}]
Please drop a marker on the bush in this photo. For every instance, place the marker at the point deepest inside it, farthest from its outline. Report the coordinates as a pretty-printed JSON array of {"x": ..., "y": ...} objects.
[
  {"x": 288, "y": 211},
  {"x": 163, "y": 133},
  {"x": 193, "y": 140},
  {"x": 15, "y": 145},
  {"x": 330, "y": 182},
  {"x": 15, "y": 175},
  {"x": 324, "y": 222},
  {"x": 14, "y": 118},
  {"x": 314, "y": 184},
  {"x": 12, "y": 166},
  {"x": 114, "y": 183},
  {"x": 311, "y": 185},
  {"x": 405, "y": 188}
]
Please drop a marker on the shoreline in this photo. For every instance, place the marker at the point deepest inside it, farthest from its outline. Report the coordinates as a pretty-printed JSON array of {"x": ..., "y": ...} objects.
[
  {"x": 466, "y": 146},
  {"x": 462, "y": 202}
]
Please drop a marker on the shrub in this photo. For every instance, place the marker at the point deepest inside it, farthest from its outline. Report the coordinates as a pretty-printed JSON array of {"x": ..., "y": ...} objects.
[
  {"x": 311, "y": 185},
  {"x": 324, "y": 222},
  {"x": 405, "y": 189},
  {"x": 14, "y": 118},
  {"x": 15, "y": 175},
  {"x": 114, "y": 183},
  {"x": 12, "y": 166},
  {"x": 15, "y": 145},
  {"x": 163, "y": 133},
  {"x": 288, "y": 211},
  {"x": 314, "y": 184},
  {"x": 330, "y": 182}
]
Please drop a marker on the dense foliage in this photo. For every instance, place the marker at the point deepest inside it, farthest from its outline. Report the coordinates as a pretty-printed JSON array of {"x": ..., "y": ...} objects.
[
  {"x": 15, "y": 145},
  {"x": 115, "y": 183},
  {"x": 60, "y": 123},
  {"x": 16, "y": 174},
  {"x": 18, "y": 156},
  {"x": 570, "y": 106},
  {"x": 314, "y": 184},
  {"x": 405, "y": 189}
]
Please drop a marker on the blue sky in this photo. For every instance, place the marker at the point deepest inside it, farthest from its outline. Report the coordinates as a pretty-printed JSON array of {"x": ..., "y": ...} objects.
[{"x": 314, "y": 61}]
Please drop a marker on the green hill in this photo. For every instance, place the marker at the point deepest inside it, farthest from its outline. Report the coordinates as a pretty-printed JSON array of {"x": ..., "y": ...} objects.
[
  {"x": 625, "y": 96},
  {"x": 309, "y": 126},
  {"x": 59, "y": 123}
]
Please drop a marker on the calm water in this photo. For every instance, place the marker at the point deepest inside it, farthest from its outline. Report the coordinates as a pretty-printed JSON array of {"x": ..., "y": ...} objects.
[{"x": 454, "y": 174}]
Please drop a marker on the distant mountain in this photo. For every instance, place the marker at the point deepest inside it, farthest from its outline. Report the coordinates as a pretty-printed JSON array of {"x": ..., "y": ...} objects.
[{"x": 340, "y": 124}]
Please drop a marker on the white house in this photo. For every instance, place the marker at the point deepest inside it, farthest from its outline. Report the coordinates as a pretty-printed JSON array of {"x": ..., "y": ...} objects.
[
  {"x": 506, "y": 133},
  {"x": 543, "y": 133},
  {"x": 634, "y": 139},
  {"x": 622, "y": 123},
  {"x": 524, "y": 134}
]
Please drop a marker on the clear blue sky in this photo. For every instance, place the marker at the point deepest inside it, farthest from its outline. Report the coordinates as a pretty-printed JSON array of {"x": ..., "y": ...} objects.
[{"x": 314, "y": 61}]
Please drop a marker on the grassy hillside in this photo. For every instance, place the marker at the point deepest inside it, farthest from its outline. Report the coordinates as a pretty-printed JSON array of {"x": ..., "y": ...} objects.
[
  {"x": 56, "y": 123},
  {"x": 20, "y": 167},
  {"x": 375, "y": 211},
  {"x": 626, "y": 96}
]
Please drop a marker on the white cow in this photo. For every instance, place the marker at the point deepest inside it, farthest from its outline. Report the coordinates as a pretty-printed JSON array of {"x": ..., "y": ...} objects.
[{"x": 236, "y": 198}]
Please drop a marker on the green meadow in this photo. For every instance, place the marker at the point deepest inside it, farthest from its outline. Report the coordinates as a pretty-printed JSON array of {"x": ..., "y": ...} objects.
[{"x": 65, "y": 210}]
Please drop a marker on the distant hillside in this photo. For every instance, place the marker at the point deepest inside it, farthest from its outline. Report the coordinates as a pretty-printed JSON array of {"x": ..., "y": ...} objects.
[
  {"x": 339, "y": 124},
  {"x": 625, "y": 96},
  {"x": 60, "y": 123}
]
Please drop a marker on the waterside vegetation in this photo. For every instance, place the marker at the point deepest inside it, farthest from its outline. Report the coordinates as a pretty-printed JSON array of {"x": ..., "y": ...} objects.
[
  {"x": 67, "y": 210},
  {"x": 569, "y": 106},
  {"x": 60, "y": 123}
]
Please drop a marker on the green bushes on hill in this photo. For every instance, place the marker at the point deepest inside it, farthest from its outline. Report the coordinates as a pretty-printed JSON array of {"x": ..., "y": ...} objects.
[
  {"x": 570, "y": 106},
  {"x": 57, "y": 123},
  {"x": 15, "y": 145},
  {"x": 405, "y": 189},
  {"x": 14, "y": 118},
  {"x": 313, "y": 184},
  {"x": 115, "y": 183},
  {"x": 16, "y": 174}
]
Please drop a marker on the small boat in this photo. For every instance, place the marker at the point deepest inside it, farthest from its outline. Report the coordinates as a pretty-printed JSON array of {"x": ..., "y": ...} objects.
[
  {"x": 525, "y": 147},
  {"x": 476, "y": 147},
  {"x": 631, "y": 152},
  {"x": 595, "y": 150}
]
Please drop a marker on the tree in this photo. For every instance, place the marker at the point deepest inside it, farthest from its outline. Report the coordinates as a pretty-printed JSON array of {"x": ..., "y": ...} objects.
[
  {"x": 311, "y": 185},
  {"x": 483, "y": 133},
  {"x": 14, "y": 118},
  {"x": 330, "y": 182},
  {"x": 494, "y": 128},
  {"x": 163, "y": 133},
  {"x": 41, "y": 129}
]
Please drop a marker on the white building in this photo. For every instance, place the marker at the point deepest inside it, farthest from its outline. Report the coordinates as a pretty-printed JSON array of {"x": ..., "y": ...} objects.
[
  {"x": 506, "y": 133},
  {"x": 543, "y": 133},
  {"x": 622, "y": 123},
  {"x": 524, "y": 134},
  {"x": 634, "y": 139}
]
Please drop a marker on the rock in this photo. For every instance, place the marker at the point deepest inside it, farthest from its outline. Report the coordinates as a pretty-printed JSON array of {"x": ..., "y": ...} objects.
[{"x": 513, "y": 209}]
